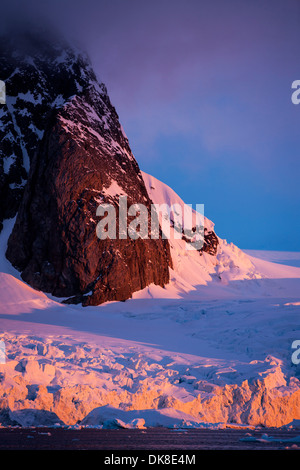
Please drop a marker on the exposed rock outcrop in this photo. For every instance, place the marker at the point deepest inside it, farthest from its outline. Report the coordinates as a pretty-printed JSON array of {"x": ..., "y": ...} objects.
[
  {"x": 79, "y": 158},
  {"x": 39, "y": 76}
]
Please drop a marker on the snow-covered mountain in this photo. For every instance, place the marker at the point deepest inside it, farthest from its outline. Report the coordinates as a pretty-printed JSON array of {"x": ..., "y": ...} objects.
[
  {"x": 63, "y": 151},
  {"x": 218, "y": 260},
  {"x": 204, "y": 337},
  {"x": 62, "y": 136}
]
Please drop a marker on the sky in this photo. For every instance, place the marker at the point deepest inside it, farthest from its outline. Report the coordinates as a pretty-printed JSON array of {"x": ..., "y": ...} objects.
[{"x": 203, "y": 91}]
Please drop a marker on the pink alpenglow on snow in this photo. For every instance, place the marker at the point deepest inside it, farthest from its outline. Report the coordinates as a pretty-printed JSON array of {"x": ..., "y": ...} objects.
[{"x": 201, "y": 352}]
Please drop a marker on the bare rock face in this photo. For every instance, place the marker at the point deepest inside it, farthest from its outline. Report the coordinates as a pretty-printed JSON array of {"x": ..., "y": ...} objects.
[
  {"x": 210, "y": 242},
  {"x": 79, "y": 158},
  {"x": 39, "y": 76}
]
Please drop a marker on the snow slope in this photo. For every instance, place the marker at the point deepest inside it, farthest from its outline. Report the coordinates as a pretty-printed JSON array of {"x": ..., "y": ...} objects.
[{"x": 213, "y": 348}]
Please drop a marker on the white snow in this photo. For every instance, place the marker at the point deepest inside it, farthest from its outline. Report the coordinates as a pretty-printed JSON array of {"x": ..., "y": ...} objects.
[
  {"x": 11, "y": 102},
  {"x": 114, "y": 190},
  {"x": 36, "y": 131},
  {"x": 212, "y": 348},
  {"x": 8, "y": 162},
  {"x": 31, "y": 98}
]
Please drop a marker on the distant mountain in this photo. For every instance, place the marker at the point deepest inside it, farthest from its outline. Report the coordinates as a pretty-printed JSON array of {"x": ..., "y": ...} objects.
[{"x": 62, "y": 153}]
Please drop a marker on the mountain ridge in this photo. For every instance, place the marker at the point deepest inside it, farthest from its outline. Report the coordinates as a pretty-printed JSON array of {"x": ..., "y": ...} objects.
[{"x": 63, "y": 150}]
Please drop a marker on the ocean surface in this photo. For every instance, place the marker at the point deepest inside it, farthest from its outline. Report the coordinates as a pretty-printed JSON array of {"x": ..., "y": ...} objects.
[{"x": 149, "y": 439}]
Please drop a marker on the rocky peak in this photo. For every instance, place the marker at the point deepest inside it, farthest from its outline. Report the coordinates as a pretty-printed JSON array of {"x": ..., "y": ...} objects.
[
  {"x": 65, "y": 135},
  {"x": 40, "y": 75}
]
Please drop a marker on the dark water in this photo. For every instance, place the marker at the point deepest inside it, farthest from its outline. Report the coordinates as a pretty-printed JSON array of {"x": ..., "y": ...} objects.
[{"x": 150, "y": 439}]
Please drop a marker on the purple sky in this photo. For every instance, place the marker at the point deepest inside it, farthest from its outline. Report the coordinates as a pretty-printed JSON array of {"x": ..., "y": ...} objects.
[{"x": 203, "y": 91}]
